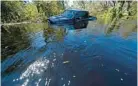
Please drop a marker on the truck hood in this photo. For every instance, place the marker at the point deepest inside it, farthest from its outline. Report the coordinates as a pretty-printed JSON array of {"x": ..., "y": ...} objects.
[{"x": 58, "y": 18}]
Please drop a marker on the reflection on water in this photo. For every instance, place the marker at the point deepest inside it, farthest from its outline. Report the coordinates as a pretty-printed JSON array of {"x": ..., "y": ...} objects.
[
  {"x": 130, "y": 26},
  {"x": 11, "y": 40},
  {"x": 68, "y": 55},
  {"x": 78, "y": 25}
]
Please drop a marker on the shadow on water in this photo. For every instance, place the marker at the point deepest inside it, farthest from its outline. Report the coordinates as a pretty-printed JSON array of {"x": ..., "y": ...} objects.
[{"x": 79, "y": 54}]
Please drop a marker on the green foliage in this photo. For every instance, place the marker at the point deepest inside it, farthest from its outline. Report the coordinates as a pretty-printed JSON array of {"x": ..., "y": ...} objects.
[
  {"x": 108, "y": 15},
  {"x": 133, "y": 10},
  {"x": 30, "y": 11},
  {"x": 49, "y": 8},
  {"x": 17, "y": 11},
  {"x": 11, "y": 11}
]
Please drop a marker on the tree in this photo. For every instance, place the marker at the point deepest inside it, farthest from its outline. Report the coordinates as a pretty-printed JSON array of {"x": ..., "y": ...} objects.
[
  {"x": 49, "y": 7},
  {"x": 30, "y": 11},
  {"x": 11, "y": 11}
]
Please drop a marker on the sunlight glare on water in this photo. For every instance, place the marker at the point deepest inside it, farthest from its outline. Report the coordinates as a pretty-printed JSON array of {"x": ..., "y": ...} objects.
[{"x": 32, "y": 70}]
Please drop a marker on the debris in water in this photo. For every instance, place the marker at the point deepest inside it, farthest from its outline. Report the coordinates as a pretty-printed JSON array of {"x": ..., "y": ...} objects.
[
  {"x": 6, "y": 47},
  {"x": 126, "y": 74},
  {"x": 117, "y": 70},
  {"x": 121, "y": 79},
  {"x": 69, "y": 82},
  {"x": 13, "y": 80},
  {"x": 74, "y": 76},
  {"x": 65, "y": 62},
  {"x": 61, "y": 78}
]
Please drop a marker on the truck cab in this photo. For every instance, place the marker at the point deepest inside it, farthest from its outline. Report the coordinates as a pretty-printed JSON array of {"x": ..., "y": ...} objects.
[{"x": 70, "y": 16}]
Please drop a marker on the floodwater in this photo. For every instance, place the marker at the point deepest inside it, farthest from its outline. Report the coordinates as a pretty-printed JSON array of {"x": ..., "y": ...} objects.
[{"x": 83, "y": 54}]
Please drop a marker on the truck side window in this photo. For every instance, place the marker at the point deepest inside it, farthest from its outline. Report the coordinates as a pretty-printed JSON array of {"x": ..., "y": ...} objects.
[{"x": 81, "y": 14}]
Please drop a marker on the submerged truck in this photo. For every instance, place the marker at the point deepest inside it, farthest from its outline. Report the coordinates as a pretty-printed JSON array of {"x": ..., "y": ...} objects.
[{"x": 71, "y": 16}]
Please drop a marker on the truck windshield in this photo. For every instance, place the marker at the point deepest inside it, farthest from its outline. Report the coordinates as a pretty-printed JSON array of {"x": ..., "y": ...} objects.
[{"x": 69, "y": 13}]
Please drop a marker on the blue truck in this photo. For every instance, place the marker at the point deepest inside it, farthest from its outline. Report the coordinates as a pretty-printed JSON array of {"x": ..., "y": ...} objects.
[{"x": 71, "y": 16}]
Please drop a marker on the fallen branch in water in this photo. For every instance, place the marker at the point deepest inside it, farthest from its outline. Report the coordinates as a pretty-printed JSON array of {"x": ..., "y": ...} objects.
[{"x": 15, "y": 23}]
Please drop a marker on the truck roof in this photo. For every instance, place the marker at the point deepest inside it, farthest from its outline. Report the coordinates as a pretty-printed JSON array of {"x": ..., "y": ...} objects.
[{"x": 77, "y": 10}]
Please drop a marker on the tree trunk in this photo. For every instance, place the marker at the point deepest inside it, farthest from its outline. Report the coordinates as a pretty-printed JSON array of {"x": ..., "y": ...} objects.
[{"x": 128, "y": 7}]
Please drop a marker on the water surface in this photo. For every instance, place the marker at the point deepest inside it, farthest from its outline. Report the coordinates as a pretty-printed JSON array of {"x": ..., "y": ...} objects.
[{"x": 70, "y": 55}]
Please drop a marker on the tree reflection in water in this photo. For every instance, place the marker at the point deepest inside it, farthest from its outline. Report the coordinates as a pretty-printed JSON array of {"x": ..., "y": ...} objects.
[{"x": 14, "y": 38}]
